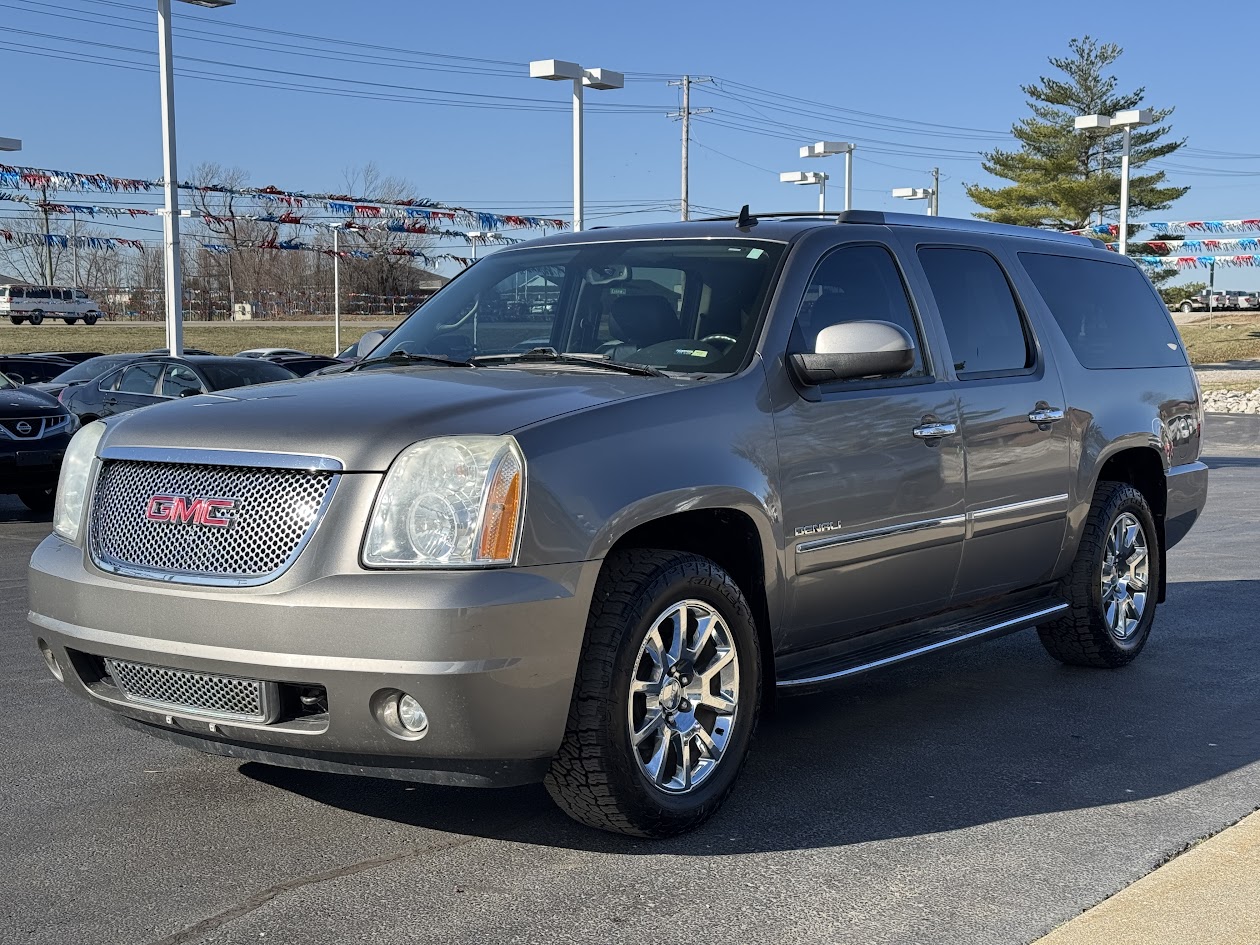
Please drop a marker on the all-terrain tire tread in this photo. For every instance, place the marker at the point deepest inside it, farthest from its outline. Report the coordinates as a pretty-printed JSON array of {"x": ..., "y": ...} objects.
[
  {"x": 584, "y": 772},
  {"x": 1079, "y": 637}
]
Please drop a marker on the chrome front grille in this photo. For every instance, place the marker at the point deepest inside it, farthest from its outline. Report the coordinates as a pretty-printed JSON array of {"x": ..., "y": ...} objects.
[
  {"x": 223, "y": 697},
  {"x": 271, "y": 515}
]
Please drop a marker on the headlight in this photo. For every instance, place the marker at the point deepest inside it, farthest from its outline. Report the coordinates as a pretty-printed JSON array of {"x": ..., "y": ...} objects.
[
  {"x": 76, "y": 480},
  {"x": 449, "y": 502}
]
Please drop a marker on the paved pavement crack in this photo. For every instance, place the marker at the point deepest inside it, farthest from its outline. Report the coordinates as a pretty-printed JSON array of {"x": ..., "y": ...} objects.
[{"x": 195, "y": 931}]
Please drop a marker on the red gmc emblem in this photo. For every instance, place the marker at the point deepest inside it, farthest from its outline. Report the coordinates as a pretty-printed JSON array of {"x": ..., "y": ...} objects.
[{"x": 196, "y": 510}]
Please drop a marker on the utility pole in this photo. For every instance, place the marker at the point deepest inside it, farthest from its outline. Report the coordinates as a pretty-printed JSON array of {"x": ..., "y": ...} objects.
[
  {"x": 48, "y": 264},
  {"x": 685, "y": 114},
  {"x": 936, "y": 191}
]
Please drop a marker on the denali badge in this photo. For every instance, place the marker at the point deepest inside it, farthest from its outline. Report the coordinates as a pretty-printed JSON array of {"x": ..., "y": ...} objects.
[
  {"x": 181, "y": 510},
  {"x": 820, "y": 529}
]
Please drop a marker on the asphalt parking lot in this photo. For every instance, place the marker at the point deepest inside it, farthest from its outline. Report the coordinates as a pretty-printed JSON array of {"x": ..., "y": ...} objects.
[{"x": 983, "y": 796}]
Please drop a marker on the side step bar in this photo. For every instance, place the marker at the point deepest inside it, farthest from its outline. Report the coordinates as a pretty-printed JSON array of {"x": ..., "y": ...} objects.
[{"x": 862, "y": 661}]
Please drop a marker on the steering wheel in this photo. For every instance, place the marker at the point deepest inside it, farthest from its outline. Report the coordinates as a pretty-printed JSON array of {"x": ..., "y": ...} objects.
[{"x": 730, "y": 341}]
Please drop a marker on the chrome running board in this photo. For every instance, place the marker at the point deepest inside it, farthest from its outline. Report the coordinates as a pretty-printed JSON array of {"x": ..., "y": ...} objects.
[{"x": 864, "y": 660}]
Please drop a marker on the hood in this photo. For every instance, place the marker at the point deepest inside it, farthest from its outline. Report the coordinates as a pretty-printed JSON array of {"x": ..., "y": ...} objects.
[
  {"x": 365, "y": 419},
  {"x": 50, "y": 387},
  {"x": 24, "y": 402}
]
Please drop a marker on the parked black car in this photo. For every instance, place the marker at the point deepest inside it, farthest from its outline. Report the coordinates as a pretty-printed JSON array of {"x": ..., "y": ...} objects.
[
  {"x": 34, "y": 433},
  {"x": 304, "y": 364},
  {"x": 31, "y": 369},
  {"x": 154, "y": 380},
  {"x": 187, "y": 351},
  {"x": 74, "y": 357},
  {"x": 88, "y": 370}
]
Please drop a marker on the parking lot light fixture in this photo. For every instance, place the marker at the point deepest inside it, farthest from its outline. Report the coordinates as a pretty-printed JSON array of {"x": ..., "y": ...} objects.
[
  {"x": 828, "y": 148},
  {"x": 170, "y": 179},
  {"x": 10, "y": 144},
  {"x": 917, "y": 193},
  {"x": 477, "y": 237},
  {"x": 808, "y": 177},
  {"x": 1126, "y": 120},
  {"x": 558, "y": 70}
]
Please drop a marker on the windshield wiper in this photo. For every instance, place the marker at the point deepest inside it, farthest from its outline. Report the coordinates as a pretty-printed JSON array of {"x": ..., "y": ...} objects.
[
  {"x": 406, "y": 357},
  {"x": 552, "y": 356}
]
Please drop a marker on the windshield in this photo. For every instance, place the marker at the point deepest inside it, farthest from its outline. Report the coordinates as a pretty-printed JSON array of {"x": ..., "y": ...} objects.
[
  {"x": 92, "y": 367},
  {"x": 676, "y": 305}
]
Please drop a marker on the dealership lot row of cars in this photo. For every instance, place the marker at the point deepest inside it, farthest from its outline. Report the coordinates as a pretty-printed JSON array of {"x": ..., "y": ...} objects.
[{"x": 46, "y": 396}]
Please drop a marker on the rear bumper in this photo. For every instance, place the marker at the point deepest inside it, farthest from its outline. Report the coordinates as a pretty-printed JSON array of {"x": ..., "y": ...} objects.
[
  {"x": 1187, "y": 496},
  {"x": 490, "y": 655}
]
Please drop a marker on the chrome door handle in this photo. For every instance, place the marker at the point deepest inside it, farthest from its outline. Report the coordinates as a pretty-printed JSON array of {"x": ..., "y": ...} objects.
[
  {"x": 931, "y": 431},
  {"x": 1045, "y": 415}
]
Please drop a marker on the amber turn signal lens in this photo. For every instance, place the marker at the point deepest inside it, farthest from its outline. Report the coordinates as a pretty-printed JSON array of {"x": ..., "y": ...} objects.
[{"x": 503, "y": 513}]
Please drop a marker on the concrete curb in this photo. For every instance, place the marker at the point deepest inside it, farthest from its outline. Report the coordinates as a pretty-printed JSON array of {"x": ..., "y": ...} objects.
[{"x": 1211, "y": 893}]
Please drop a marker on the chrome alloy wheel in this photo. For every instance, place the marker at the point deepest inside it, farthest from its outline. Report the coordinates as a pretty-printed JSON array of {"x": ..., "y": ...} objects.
[
  {"x": 684, "y": 695},
  {"x": 1125, "y": 576}
]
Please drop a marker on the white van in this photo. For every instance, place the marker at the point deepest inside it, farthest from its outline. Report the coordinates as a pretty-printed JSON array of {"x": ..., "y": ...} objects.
[{"x": 34, "y": 303}]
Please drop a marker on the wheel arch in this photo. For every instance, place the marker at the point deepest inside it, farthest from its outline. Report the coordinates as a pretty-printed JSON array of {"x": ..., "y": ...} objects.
[
  {"x": 740, "y": 542},
  {"x": 1143, "y": 468}
]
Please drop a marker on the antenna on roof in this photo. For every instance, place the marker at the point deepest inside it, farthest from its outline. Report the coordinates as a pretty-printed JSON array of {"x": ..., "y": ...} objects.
[{"x": 745, "y": 221}]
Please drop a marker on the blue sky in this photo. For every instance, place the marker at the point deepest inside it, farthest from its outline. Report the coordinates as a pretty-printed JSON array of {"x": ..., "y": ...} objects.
[{"x": 913, "y": 84}]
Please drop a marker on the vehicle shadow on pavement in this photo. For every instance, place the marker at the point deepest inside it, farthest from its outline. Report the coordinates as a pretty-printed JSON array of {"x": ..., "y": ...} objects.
[{"x": 982, "y": 735}]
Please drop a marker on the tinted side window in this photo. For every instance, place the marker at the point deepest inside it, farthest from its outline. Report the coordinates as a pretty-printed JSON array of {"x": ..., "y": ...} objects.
[
  {"x": 1107, "y": 312},
  {"x": 177, "y": 379},
  {"x": 140, "y": 379},
  {"x": 856, "y": 283},
  {"x": 982, "y": 321}
]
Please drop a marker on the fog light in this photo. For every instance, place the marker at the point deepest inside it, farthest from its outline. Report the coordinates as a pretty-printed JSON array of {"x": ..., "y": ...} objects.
[
  {"x": 412, "y": 716},
  {"x": 51, "y": 659}
]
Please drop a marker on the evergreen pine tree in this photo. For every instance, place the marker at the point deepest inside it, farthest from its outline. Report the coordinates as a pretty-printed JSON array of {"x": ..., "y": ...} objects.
[{"x": 1064, "y": 178}]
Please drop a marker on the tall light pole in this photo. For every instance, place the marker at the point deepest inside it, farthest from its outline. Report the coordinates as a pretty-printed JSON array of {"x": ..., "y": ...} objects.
[
  {"x": 170, "y": 222},
  {"x": 555, "y": 70},
  {"x": 1127, "y": 120},
  {"x": 808, "y": 177},
  {"x": 828, "y": 148}
]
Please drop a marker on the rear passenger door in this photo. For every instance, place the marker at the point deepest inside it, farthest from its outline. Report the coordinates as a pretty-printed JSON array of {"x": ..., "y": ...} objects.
[
  {"x": 1012, "y": 420},
  {"x": 137, "y": 387}
]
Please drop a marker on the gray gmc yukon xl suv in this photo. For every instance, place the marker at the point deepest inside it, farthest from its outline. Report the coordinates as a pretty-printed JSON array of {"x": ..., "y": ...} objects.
[{"x": 582, "y": 514}]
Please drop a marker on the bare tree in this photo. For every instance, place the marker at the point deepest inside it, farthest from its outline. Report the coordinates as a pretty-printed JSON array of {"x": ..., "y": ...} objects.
[{"x": 383, "y": 275}]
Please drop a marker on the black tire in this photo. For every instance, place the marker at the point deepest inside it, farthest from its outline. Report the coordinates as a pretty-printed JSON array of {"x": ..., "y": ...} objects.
[
  {"x": 596, "y": 777},
  {"x": 90, "y": 318},
  {"x": 70, "y": 321},
  {"x": 16, "y": 320},
  {"x": 1083, "y": 636},
  {"x": 39, "y": 500},
  {"x": 37, "y": 318}
]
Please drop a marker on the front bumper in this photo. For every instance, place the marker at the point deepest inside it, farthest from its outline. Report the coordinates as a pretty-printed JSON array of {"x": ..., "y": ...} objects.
[
  {"x": 490, "y": 655},
  {"x": 31, "y": 464}
]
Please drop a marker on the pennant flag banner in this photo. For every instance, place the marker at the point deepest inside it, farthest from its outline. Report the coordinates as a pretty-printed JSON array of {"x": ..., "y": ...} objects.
[
  {"x": 1204, "y": 226},
  {"x": 1198, "y": 247},
  {"x": 63, "y": 241},
  {"x": 1199, "y": 262},
  {"x": 34, "y": 178},
  {"x": 37, "y": 177},
  {"x": 1175, "y": 226}
]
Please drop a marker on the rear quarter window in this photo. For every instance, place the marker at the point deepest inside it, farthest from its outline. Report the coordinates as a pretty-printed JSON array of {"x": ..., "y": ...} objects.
[{"x": 1107, "y": 311}]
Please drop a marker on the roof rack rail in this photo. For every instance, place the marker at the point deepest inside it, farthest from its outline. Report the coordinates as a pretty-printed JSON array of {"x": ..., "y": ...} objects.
[
  {"x": 961, "y": 226},
  {"x": 880, "y": 218}
]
